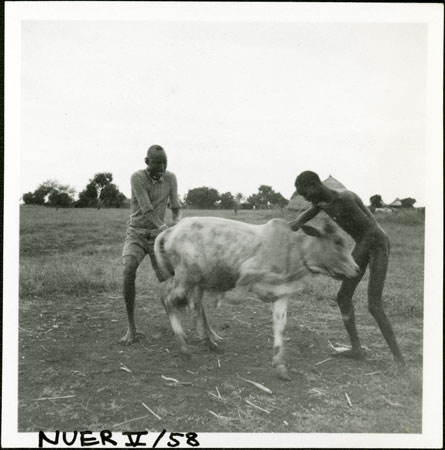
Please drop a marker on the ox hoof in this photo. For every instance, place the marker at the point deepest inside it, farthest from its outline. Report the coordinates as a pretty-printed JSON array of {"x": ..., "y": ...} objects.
[
  {"x": 211, "y": 345},
  {"x": 282, "y": 373},
  {"x": 186, "y": 354}
]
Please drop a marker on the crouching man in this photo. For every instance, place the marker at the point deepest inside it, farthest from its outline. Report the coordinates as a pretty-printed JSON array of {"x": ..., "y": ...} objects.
[
  {"x": 371, "y": 248},
  {"x": 151, "y": 189}
]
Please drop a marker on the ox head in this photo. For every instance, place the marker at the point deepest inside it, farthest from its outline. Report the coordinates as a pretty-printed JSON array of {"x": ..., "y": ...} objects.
[{"x": 326, "y": 252}]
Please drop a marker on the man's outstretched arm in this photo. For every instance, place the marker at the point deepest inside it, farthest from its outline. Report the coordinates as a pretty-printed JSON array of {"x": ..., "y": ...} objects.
[{"x": 304, "y": 217}]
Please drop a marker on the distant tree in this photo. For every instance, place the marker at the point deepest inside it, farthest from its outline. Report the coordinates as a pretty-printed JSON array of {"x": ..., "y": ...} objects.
[
  {"x": 100, "y": 191},
  {"x": 88, "y": 197},
  {"x": 239, "y": 197},
  {"x": 278, "y": 200},
  {"x": 30, "y": 199},
  {"x": 376, "y": 201},
  {"x": 101, "y": 180},
  {"x": 110, "y": 196},
  {"x": 254, "y": 200},
  {"x": 227, "y": 200},
  {"x": 50, "y": 189},
  {"x": 266, "y": 197},
  {"x": 59, "y": 199},
  {"x": 202, "y": 198},
  {"x": 408, "y": 202}
]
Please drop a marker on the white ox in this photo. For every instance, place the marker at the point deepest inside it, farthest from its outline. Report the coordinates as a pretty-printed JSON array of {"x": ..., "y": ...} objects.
[{"x": 215, "y": 254}]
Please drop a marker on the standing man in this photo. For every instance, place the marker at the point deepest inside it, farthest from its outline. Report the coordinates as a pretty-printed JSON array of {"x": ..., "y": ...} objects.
[
  {"x": 371, "y": 248},
  {"x": 151, "y": 189}
]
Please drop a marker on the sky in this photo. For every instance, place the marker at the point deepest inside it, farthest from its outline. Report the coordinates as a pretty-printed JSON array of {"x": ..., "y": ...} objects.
[{"x": 235, "y": 104}]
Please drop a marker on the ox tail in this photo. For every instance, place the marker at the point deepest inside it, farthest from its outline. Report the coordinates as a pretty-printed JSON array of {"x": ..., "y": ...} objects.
[{"x": 161, "y": 256}]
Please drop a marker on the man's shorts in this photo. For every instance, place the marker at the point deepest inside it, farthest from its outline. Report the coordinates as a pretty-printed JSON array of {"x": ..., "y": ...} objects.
[{"x": 140, "y": 242}]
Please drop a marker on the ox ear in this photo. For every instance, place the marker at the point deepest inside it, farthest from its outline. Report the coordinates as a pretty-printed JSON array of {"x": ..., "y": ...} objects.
[{"x": 310, "y": 231}]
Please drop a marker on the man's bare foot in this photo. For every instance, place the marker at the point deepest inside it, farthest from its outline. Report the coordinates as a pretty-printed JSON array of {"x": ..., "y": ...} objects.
[
  {"x": 130, "y": 337},
  {"x": 346, "y": 352}
]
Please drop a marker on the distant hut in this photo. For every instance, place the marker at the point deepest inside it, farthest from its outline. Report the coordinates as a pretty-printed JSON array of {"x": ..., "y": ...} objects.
[
  {"x": 298, "y": 203},
  {"x": 397, "y": 204}
]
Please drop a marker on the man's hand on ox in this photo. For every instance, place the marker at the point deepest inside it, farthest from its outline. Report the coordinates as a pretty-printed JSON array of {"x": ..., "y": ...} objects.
[
  {"x": 294, "y": 225},
  {"x": 156, "y": 232}
]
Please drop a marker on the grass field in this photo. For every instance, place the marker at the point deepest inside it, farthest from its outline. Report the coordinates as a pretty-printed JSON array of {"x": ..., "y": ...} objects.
[{"x": 72, "y": 315}]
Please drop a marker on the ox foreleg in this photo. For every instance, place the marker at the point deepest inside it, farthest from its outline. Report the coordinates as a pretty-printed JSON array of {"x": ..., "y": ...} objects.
[
  {"x": 279, "y": 318},
  {"x": 205, "y": 332},
  {"x": 177, "y": 296}
]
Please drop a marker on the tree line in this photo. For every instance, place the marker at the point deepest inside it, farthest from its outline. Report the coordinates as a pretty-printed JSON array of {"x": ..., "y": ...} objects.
[
  {"x": 101, "y": 192},
  {"x": 209, "y": 198}
]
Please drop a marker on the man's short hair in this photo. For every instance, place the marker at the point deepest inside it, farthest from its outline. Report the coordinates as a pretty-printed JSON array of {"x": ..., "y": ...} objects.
[
  {"x": 156, "y": 150},
  {"x": 307, "y": 178}
]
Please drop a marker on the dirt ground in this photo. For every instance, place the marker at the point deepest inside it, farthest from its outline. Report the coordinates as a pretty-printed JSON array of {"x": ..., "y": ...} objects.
[{"x": 69, "y": 347}]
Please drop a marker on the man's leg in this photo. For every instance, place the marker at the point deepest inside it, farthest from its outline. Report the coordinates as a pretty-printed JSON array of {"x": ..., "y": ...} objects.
[
  {"x": 131, "y": 264},
  {"x": 377, "y": 273},
  {"x": 344, "y": 301}
]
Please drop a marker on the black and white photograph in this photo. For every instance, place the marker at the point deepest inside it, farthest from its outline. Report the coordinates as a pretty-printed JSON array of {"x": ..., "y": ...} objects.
[{"x": 223, "y": 225}]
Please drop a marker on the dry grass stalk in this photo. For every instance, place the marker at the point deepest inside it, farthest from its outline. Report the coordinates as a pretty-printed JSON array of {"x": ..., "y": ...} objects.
[
  {"x": 219, "y": 395},
  {"x": 128, "y": 421},
  {"x": 218, "y": 416},
  {"x": 257, "y": 407},
  {"x": 170, "y": 379},
  {"x": 348, "y": 399},
  {"x": 175, "y": 381},
  {"x": 321, "y": 362},
  {"x": 242, "y": 321},
  {"x": 125, "y": 368},
  {"x": 147, "y": 408},
  {"x": 397, "y": 405},
  {"x": 258, "y": 385},
  {"x": 54, "y": 398}
]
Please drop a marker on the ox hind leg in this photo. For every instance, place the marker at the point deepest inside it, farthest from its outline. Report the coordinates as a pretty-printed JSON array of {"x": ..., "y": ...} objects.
[
  {"x": 279, "y": 318},
  {"x": 205, "y": 332},
  {"x": 177, "y": 297}
]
